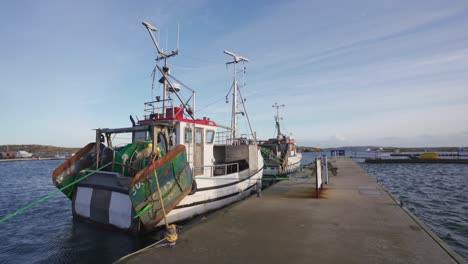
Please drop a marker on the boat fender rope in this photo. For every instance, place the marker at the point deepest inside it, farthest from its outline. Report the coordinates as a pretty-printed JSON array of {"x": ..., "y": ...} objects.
[
  {"x": 171, "y": 230},
  {"x": 171, "y": 235}
]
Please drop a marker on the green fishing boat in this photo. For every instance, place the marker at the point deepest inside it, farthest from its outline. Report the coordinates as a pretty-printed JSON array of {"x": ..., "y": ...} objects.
[{"x": 123, "y": 188}]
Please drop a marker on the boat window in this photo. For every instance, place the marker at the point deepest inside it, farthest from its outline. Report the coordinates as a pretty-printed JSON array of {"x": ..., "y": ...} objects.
[
  {"x": 162, "y": 142},
  {"x": 141, "y": 136},
  {"x": 188, "y": 135},
  {"x": 209, "y": 136},
  {"x": 199, "y": 137}
]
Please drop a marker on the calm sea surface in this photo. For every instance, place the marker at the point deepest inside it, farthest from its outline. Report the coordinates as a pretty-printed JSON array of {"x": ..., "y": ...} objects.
[{"x": 47, "y": 233}]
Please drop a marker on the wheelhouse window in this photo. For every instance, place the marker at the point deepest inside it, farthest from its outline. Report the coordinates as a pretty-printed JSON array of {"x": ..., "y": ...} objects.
[
  {"x": 188, "y": 135},
  {"x": 140, "y": 136},
  {"x": 199, "y": 137},
  {"x": 210, "y": 136}
]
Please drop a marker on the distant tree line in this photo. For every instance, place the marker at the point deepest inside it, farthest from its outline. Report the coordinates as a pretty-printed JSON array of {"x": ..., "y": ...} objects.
[{"x": 310, "y": 149}]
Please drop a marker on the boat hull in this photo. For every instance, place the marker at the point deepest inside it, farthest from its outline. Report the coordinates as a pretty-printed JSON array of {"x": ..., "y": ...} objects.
[
  {"x": 293, "y": 164},
  {"x": 111, "y": 199},
  {"x": 209, "y": 199},
  {"x": 175, "y": 180},
  {"x": 218, "y": 191},
  {"x": 66, "y": 172},
  {"x": 106, "y": 207}
]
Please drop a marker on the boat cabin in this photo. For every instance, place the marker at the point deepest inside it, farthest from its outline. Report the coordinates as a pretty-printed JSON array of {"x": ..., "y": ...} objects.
[{"x": 210, "y": 151}]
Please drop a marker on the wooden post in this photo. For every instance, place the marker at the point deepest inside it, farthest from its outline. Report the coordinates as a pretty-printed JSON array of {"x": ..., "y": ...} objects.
[
  {"x": 154, "y": 134},
  {"x": 318, "y": 176},
  {"x": 98, "y": 146},
  {"x": 325, "y": 168}
]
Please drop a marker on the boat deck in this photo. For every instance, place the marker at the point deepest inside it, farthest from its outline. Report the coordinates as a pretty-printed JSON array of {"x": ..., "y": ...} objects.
[{"x": 354, "y": 221}]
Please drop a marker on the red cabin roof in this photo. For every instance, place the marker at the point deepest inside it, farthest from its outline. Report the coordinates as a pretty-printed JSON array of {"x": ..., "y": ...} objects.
[{"x": 177, "y": 114}]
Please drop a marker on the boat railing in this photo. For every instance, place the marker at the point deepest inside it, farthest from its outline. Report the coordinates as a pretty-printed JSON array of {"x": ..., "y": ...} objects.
[
  {"x": 154, "y": 109},
  {"x": 223, "y": 137},
  {"x": 220, "y": 169}
]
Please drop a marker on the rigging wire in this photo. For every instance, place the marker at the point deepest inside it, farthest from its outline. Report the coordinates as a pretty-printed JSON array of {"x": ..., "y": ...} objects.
[
  {"x": 217, "y": 101},
  {"x": 153, "y": 74},
  {"x": 285, "y": 129},
  {"x": 181, "y": 83}
]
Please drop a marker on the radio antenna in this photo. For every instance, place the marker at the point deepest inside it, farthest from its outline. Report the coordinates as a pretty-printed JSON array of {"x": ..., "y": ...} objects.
[
  {"x": 161, "y": 56},
  {"x": 277, "y": 119},
  {"x": 235, "y": 88},
  {"x": 178, "y": 30}
]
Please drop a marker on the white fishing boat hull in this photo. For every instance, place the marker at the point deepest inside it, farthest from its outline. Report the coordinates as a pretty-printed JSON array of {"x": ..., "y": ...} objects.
[
  {"x": 216, "y": 192},
  {"x": 212, "y": 192},
  {"x": 23, "y": 154},
  {"x": 293, "y": 165}
]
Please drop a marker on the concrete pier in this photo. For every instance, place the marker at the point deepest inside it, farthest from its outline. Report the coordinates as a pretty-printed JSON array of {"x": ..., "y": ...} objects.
[{"x": 353, "y": 221}]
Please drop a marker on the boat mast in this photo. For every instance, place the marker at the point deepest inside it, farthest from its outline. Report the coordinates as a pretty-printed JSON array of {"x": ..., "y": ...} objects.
[
  {"x": 235, "y": 87},
  {"x": 277, "y": 119},
  {"x": 162, "y": 56}
]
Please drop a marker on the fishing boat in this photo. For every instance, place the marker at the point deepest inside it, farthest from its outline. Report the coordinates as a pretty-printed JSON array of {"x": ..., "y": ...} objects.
[
  {"x": 176, "y": 166},
  {"x": 23, "y": 154},
  {"x": 59, "y": 156},
  {"x": 281, "y": 155}
]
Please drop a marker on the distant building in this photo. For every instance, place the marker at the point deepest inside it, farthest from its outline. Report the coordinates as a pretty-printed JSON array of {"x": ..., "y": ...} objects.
[{"x": 337, "y": 152}]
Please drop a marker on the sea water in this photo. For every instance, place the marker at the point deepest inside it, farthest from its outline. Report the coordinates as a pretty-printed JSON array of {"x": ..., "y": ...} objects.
[{"x": 47, "y": 233}]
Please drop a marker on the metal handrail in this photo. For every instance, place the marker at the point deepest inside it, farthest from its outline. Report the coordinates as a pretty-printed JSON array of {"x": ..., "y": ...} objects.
[
  {"x": 222, "y": 137},
  {"x": 225, "y": 166}
]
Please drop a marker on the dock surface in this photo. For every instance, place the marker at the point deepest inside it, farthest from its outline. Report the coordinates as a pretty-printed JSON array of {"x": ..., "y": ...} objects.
[{"x": 354, "y": 221}]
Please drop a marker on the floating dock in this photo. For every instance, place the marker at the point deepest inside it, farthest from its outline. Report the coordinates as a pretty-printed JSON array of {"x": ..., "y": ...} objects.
[{"x": 354, "y": 221}]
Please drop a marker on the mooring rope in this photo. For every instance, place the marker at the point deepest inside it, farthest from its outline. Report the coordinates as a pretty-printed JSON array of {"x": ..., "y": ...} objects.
[
  {"x": 270, "y": 155},
  {"x": 171, "y": 230},
  {"x": 51, "y": 194},
  {"x": 122, "y": 259}
]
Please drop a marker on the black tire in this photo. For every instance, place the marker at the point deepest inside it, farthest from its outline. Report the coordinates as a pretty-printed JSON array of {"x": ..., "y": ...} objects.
[{"x": 194, "y": 188}]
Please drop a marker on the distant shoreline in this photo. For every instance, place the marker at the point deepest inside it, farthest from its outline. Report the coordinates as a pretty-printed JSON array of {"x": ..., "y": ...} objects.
[
  {"x": 39, "y": 151},
  {"x": 389, "y": 149}
]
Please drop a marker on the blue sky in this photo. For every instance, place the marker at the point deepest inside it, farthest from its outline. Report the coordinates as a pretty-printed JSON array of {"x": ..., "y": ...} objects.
[{"x": 392, "y": 73}]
